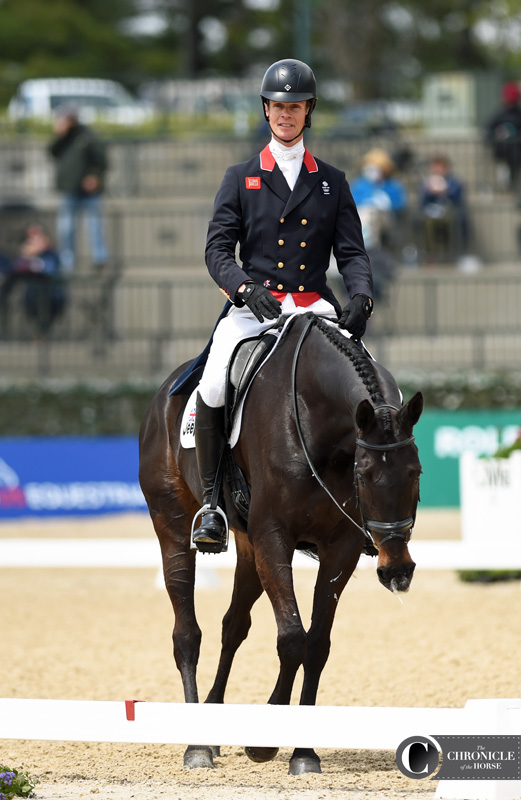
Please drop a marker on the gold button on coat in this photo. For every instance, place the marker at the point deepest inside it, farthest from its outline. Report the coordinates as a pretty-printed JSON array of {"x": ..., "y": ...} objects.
[
  {"x": 280, "y": 264},
  {"x": 280, "y": 287},
  {"x": 303, "y": 244},
  {"x": 303, "y": 222},
  {"x": 302, "y": 266},
  {"x": 301, "y": 288},
  {"x": 281, "y": 241},
  {"x": 282, "y": 219}
]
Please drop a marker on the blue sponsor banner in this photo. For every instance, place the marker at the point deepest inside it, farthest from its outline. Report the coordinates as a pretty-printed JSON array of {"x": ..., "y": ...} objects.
[{"x": 50, "y": 477}]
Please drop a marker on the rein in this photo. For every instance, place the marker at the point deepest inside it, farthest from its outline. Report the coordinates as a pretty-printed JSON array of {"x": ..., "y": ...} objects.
[{"x": 401, "y": 529}]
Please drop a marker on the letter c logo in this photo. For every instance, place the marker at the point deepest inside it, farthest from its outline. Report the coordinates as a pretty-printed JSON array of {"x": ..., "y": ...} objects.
[{"x": 417, "y": 757}]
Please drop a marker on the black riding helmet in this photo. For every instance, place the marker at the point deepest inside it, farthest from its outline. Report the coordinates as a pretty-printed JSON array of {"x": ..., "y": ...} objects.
[{"x": 289, "y": 81}]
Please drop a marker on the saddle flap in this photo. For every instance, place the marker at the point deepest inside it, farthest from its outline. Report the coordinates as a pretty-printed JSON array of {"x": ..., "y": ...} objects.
[{"x": 245, "y": 361}]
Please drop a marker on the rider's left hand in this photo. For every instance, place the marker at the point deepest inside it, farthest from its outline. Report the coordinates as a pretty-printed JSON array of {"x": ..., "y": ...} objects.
[{"x": 355, "y": 315}]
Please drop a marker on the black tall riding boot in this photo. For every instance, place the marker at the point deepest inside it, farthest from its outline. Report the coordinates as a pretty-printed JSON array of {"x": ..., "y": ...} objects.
[{"x": 209, "y": 445}]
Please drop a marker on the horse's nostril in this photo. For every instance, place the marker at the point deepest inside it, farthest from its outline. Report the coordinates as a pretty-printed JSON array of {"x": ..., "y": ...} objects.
[{"x": 404, "y": 572}]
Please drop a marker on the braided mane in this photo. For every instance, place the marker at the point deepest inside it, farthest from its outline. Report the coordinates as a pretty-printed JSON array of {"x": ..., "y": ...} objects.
[{"x": 362, "y": 365}]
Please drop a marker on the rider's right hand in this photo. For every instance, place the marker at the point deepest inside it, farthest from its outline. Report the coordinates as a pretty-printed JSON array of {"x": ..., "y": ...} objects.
[{"x": 260, "y": 301}]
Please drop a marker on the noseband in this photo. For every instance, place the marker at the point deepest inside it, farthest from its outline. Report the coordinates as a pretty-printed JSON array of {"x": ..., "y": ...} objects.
[{"x": 402, "y": 529}]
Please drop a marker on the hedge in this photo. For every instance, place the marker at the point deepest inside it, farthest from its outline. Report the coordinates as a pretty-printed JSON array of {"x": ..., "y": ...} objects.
[
  {"x": 61, "y": 407},
  {"x": 56, "y": 407}
]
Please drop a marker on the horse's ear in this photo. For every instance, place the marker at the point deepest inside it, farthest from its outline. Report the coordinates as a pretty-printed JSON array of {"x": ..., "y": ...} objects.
[
  {"x": 411, "y": 412},
  {"x": 364, "y": 415}
]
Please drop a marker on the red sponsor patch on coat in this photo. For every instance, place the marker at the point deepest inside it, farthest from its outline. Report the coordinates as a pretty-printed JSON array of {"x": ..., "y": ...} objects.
[{"x": 253, "y": 183}]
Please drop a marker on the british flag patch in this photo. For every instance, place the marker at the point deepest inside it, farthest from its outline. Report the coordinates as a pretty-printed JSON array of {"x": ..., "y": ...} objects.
[{"x": 253, "y": 183}]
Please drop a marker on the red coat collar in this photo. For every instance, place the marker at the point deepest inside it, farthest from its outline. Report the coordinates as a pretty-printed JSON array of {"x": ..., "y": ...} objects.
[{"x": 267, "y": 161}]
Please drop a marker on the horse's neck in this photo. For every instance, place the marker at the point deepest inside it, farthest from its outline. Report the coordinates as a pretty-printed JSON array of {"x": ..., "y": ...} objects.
[{"x": 344, "y": 377}]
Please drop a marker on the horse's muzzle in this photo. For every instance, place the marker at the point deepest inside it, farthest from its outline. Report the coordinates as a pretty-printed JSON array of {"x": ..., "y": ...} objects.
[{"x": 396, "y": 578}]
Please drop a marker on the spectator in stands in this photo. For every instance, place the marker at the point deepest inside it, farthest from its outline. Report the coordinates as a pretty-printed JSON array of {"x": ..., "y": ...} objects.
[
  {"x": 381, "y": 200},
  {"x": 503, "y": 133},
  {"x": 376, "y": 185},
  {"x": 38, "y": 268},
  {"x": 443, "y": 211},
  {"x": 81, "y": 165}
]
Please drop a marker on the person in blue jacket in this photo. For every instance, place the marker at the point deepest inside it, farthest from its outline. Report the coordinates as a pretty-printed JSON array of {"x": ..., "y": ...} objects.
[
  {"x": 287, "y": 211},
  {"x": 376, "y": 185}
]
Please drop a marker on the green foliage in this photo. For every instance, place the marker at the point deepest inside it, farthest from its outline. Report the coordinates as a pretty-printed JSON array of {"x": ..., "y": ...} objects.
[
  {"x": 382, "y": 48},
  {"x": 56, "y": 407},
  {"x": 505, "y": 452},
  {"x": 470, "y": 389},
  {"x": 488, "y": 576},
  {"x": 68, "y": 408},
  {"x": 16, "y": 783}
]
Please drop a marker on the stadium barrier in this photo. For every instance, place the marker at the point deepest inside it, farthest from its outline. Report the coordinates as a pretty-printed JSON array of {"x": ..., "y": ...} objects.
[{"x": 339, "y": 727}]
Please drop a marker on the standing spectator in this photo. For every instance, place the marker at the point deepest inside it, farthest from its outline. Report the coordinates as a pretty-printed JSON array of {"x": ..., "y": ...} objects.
[
  {"x": 503, "y": 133},
  {"x": 443, "y": 210},
  {"x": 81, "y": 165}
]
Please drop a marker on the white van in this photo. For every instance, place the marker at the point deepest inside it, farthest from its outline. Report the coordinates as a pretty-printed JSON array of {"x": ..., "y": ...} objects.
[{"x": 95, "y": 99}]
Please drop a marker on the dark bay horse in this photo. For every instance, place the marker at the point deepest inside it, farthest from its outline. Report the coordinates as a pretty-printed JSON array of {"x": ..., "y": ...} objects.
[{"x": 328, "y": 450}]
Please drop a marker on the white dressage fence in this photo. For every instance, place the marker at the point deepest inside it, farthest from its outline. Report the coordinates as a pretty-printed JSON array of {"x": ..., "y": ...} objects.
[
  {"x": 439, "y": 554},
  {"x": 338, "y": 727}
]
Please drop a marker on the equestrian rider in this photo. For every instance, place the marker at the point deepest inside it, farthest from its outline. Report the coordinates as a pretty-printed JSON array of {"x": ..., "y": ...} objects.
[{"x": 288, "y": 211}]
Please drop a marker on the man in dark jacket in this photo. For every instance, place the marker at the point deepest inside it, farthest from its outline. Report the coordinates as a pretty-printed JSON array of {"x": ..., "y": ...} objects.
[
  {"x": 288, "y": 212},
  {"x": 81, "y": 165},
  {"x": 503, "y": 133}
]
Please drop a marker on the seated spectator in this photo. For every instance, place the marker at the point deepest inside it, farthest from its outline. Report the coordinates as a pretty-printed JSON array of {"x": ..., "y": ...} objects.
[
  {"x": 376, "y": 186},
  {"x": 38, "y": 267},
  {"x": 381, "y": 200},
  {"x": 445, "y": 223}
]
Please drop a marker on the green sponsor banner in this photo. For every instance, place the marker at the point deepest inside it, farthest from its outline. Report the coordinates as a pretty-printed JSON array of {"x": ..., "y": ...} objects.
[{"x": 442, "y": 436}]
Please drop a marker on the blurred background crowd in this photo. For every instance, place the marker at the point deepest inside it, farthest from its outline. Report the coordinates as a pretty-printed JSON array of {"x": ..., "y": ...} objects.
[{"x": 118, "y": 119}]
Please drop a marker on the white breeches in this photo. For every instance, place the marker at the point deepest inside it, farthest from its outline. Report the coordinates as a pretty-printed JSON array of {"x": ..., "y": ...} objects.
[{"x": 240, "y": 324}]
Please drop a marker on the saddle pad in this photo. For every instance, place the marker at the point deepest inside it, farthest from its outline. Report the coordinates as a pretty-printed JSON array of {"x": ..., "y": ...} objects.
[{"x": 187, "y": 437}]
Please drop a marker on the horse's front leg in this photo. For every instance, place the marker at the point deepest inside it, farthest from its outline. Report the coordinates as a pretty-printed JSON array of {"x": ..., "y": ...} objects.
[
  {"x": 273, "y": 557},
  {"x": 336, "y": 567}
]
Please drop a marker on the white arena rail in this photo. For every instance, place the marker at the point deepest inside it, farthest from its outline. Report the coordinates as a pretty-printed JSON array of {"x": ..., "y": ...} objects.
[
  {"x": 439, "y": 554},
  {"x": 337, "y": 727}
]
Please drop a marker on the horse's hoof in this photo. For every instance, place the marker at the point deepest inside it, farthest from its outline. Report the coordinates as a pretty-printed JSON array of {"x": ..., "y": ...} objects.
[
  {"x": 261, "y": 754},
  {"x": 301, "y": 765},
  {"x": 199, "y": 757}
]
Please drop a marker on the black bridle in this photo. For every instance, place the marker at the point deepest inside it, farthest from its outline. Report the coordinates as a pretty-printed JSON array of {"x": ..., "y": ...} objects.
[{"x": 401, "y": 529}]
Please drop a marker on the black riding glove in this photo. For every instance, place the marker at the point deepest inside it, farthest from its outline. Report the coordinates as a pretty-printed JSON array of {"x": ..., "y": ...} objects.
[
  {"x": 260, "y": 302},
  {"x": 355, "y": 315}
]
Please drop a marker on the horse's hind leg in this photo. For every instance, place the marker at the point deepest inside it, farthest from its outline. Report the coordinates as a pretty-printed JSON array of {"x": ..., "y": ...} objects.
[
  {"x": 273, "y": 563},
  {"x": 247, "y": 589},
  {"x": 179, "y": 574}
]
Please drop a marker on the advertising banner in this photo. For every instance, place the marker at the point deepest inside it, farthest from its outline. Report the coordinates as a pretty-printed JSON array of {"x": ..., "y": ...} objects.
[
  {"x": 50, "y": 476},
  {"x": 443, "y": 436},
  {"x": 54, "y": 476}
]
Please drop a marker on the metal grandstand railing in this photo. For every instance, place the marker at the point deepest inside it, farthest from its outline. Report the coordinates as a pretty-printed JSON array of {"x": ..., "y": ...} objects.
[{"x": 120, "y": 327}]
